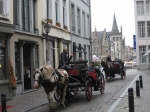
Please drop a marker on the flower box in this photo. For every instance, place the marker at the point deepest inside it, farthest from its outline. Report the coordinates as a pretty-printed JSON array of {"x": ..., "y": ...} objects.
[
  {"x": 65, "y": 27},
  {"x": 58, "y": 24}
]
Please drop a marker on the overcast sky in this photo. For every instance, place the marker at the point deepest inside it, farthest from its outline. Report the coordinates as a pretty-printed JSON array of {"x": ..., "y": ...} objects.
[{"x": 102, "y": 12}]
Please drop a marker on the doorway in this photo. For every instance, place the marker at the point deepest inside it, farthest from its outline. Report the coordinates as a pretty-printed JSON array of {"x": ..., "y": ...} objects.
[{"x": 27, "y": 66}]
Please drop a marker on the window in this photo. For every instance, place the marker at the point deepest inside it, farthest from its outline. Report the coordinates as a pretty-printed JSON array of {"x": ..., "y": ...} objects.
[
  {"x": 83, "y": 24},
  {"x": 25, "y": 15},
  {"x": 57, "y": 10},
  {"x": 64, "y": 12},
  {"x": 35, "y": 16},
  {"x": 79, "y": 21},
  {"x": 140, "y": 7},
  {"x": 73, "y": 18},
  {"x": 1, "y": 7},
  {"x": 80, "y": 51},
  {"x": 49, "y": 8},
  {"x": 16, "y": 12},
  {"x": 3, "y": 60},
  {"x": 113, "y": 38},
  {"x": 88, "y": 26},
  {"x": 17, "y": 61},
  {"x": 147, "y": 7},
  {"x": 142, "y": 51},
  {"x": 148, "y": 28},
  {"x": 85, "y": 57},
  {"x": 141, "y": 29}
]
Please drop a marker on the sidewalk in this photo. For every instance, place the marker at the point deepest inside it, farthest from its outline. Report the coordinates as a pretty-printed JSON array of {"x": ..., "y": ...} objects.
[
  {"x": 142, "y": 103},
  {"x": 25, "y": 102}
]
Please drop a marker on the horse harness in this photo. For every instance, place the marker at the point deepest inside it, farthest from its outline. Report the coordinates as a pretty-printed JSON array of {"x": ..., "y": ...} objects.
[{"x": 49, "y": 85}]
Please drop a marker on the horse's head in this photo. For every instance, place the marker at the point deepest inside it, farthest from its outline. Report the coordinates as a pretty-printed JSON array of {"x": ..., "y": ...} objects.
[{"x": 37, "y": 77}]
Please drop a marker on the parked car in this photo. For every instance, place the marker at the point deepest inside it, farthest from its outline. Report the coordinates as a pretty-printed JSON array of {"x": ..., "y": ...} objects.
[{"x": 128, "y": 65}]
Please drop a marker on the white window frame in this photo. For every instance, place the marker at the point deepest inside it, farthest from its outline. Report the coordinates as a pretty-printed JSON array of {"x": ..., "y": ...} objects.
[
  {"x": 142, "y": 51},
  {"x": 140, "y": 7},
  {"x": 141, "y": 29},
  {"x": 148, "y": 7}
]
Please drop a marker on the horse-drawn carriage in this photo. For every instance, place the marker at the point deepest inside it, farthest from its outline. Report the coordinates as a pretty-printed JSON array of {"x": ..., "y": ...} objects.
[
  {"x": 82, "y": 79},
  {"x": 114, "y": 67},
  {"x": 74, "y": 78}
]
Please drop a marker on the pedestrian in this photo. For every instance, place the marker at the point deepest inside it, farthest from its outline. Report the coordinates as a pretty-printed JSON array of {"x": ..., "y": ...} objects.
[{"x": 64, "y": 58}]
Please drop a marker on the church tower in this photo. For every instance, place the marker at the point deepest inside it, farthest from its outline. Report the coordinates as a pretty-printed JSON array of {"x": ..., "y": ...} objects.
[{"x": 116, "y": 41}]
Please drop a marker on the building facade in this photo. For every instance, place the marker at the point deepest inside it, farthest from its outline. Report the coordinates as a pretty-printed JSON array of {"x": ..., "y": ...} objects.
[
  {"x": 142, "y": 29},
  {"x": 109, "y": 43},
  {"x": 25, "y": 42},
  {"x": 6, "y": 32},
  {"x": 80, "y": 22}
]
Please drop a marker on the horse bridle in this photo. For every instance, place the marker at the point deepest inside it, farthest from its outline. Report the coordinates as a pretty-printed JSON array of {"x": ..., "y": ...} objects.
[{"x": 53, "y": 73}]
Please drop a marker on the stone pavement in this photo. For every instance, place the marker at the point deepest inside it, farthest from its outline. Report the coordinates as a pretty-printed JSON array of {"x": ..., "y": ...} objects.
[
  {"x": 142, "y": 103},
  {"x": 28, "y": 101}
]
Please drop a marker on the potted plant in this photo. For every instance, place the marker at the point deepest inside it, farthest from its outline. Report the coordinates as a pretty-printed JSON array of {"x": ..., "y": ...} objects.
[
  {"x": 58, "y": 24},
  {"x": 65, "y": 27}
]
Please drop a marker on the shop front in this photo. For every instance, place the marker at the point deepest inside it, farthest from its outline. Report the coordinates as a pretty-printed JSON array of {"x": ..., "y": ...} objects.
[{"x": 6, "y": 31}]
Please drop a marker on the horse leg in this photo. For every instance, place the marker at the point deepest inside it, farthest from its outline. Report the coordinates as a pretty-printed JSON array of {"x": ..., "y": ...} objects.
[
  {"x": 50, "y": 99},
  {"x": 64, "y": 95}
]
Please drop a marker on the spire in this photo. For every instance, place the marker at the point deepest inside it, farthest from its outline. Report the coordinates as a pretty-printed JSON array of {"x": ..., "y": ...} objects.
[
  {"x": 96, "y": 32},
  {"x": 114, "y": 26}
]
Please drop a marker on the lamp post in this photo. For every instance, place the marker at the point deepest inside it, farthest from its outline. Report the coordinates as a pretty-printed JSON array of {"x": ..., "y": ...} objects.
[{"x": 47, "y": 28}]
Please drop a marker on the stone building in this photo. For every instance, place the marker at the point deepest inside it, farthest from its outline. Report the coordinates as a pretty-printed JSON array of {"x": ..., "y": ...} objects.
[
  {"x": 25, "y": 42},
  {"x": 109, "y": 43}
]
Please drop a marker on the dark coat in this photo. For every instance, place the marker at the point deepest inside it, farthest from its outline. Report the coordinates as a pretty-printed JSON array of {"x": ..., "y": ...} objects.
[{"x": 64, "y": 59}]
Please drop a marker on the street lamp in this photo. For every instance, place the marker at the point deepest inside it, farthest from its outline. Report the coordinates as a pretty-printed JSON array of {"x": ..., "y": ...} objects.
[{"x": 47, "y": 28}]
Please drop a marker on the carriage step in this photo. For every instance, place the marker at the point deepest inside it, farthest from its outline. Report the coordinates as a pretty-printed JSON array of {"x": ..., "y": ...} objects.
[{"x": 74, "y": 84}]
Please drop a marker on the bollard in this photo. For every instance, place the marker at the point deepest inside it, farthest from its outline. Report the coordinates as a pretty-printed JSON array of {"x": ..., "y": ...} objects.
[
  {"x": 131, "y": 99},
  {"x": 3, "y": 101},
  {"x": 137, "y": 88},
  {"x": 141, "y": 81}
]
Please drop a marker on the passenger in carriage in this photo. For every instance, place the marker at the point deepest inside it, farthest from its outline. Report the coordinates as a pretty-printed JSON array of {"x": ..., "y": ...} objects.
[{"x": 92, "y": 67}]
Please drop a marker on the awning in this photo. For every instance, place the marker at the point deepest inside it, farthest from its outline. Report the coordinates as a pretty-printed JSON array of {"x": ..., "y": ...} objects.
[
  {"x": 82, "y": 49},
  {"x": 147, "y": 53}
]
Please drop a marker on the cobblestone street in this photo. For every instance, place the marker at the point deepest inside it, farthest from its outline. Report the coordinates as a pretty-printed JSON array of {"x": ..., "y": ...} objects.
[{"x": 37, "y": 101}]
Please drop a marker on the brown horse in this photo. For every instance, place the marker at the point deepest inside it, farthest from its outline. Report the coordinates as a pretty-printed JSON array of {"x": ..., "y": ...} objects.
[{"x": 51, "y": 82}]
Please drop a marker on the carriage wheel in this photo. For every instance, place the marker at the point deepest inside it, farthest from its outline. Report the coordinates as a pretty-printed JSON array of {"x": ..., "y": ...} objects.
[
  {"x": 57, "y": 96},
  {"x": 88, "y": 90},
  {"x": 102, "y": 84}
]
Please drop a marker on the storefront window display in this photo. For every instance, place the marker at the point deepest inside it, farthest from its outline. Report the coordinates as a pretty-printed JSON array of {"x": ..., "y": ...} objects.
[{"x": 3, "y": 75}]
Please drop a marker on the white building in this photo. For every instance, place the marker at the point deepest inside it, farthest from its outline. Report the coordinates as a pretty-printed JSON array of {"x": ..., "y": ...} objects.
[
  {"x": 24, "y": 41},
  {"x": 80, "y": 22},
  {"x": 142, "y": 28}
]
